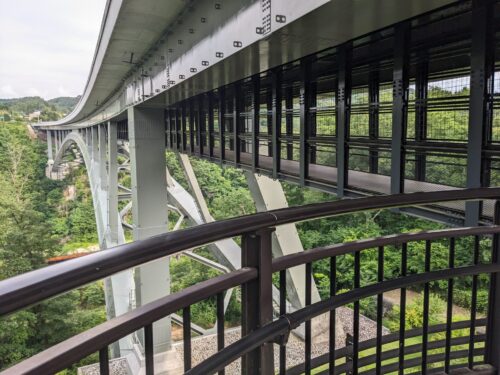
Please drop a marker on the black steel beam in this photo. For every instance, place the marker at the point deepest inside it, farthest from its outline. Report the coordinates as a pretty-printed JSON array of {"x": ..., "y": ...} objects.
[
  {"x": 236, "y": 121},
  {"x": 304, "y": 100},
  {"x": 312, "y": 119},
  {"x": 481, "y": 74},
  {"x": 178, "y": 128},
  {"x": 399, "y": 105},
  {"x": 210, "y": 124},
  {"x": 421, "y": 114},
  {"x": 167, "y": 128},
  {"x": 192, "y": 125},
  {"x": 373, "y": 119},
  {"x": 276, "y": 120},
  {"x": 343, "y": 115},
  {"x": 184, "y": 127},
  {"x": 289, "y": 121},
  {"x": 222, "y": 111},
  {"x": 269, "y": 118},
  {"x": 255, "y": 121},
  {"x": 200, "y": 124}
]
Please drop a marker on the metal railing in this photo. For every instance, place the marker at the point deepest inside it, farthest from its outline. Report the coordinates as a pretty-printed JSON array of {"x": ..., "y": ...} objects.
[{"x": 260, "y": 331}]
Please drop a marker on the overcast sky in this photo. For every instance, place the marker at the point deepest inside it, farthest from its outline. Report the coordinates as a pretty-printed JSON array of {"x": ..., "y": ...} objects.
[{"x": 47, "y": 46}]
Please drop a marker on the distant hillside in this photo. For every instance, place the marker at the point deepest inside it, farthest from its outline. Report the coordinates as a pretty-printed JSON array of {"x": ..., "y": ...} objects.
[
  {"x": 21, "y": 108},
  {"x": 65, "y": 104}
]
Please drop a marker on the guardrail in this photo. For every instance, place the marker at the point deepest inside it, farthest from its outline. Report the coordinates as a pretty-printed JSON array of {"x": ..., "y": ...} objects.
[{"x": 259, "y": 330}]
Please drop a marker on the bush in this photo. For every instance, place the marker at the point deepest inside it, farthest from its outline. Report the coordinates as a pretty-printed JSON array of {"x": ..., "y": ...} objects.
[{"x": 415, "y": 315}]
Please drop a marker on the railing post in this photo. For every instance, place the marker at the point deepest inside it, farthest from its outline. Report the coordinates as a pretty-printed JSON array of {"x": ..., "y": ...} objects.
[
  {"x": 492, "y": 353},
  {"x": 257, "y": 303}
]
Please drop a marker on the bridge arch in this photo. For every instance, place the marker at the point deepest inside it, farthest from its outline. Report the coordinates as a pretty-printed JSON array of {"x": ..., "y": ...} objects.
[
  {"x": 99, "y": 199},
  {"x": 118, "y": 288}
]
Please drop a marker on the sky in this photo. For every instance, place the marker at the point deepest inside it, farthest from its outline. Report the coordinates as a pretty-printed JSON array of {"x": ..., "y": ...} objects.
[{"x": 47, "y": 46}]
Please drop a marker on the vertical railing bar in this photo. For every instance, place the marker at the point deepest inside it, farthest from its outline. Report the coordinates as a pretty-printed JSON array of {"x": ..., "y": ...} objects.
[
  {"x": 492, "y": 345},
  {"x": 220, "y": 325},
  {"x": 149, "y": 349},
  {"x": 308, "y": 322},
  {"x": 332, "y": 328},
  {"x": 282, "y": 312},
  {"x": 186, "y": 336},
  {"x": 104, "y": 361},
  {"x": 256, "y": 297},
  {"x": 356, "y": 313},
  {"x": 425, "y": 323},
  {"x": 380, "y": 309},
  {"x": 402, "y": 308},
  {"x": 449, "y": 307},
  {"x": 473, "y": 305}
]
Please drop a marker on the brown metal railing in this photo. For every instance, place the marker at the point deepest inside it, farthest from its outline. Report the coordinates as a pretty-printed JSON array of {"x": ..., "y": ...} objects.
[{"x": 259, "y": 330}]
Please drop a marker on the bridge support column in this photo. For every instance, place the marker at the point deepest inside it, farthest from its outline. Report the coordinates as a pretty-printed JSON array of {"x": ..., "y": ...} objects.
[
  {"x": 112, "y": 182},
  {"x": 269, "y": 195},
  {"x": 103, "y": 178},
  {"x": 94, "y": 148},
  {"x": 146, "y": 128},
  {"x": 56, "y": 141},
  {"x": 49, "y": 145},
  {"x": 118, "y": 286},
  {"x": 88, "y": 134},
  {"x": 59, "y": 140}
]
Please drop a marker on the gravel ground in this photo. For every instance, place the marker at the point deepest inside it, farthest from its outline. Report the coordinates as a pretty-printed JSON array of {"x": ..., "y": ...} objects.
[
  {"x": 205, "y": 346},
  {"x": 117, "y": 366}
]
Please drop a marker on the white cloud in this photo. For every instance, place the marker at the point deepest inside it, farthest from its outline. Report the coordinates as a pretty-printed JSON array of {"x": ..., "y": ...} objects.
[
  {"x": 7, "y": 91},
  {"x": 33, "y": 92},
  {"x": 62, "y": 91},
  {"x": 46, "y": 47}
]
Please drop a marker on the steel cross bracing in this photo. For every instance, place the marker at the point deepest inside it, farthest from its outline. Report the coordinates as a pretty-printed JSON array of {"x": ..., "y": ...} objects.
[{"x": 413, "y": 107}]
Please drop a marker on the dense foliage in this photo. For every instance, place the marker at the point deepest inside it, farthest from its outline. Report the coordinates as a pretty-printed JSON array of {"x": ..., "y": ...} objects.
[
  {"x": 30, "y": 232},
  {"x": 53, "y": 109}
]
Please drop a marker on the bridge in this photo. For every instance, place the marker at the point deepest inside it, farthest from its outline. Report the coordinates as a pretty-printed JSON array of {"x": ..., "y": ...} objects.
[{"x": 386, "y": 104}]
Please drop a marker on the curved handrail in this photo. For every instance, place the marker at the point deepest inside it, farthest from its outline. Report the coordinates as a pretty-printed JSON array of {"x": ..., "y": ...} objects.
[
  {"x": 293, "y": 320},
  {"x": 64, "y": 354},
  {"x": 308, "y": 256},
  {"x": 24, "y": 290},
  {"x": 393, "y": 337}
]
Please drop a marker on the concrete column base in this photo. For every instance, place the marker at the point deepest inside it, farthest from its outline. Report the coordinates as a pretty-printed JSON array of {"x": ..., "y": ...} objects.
[{"x": 166, "y": 363}]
